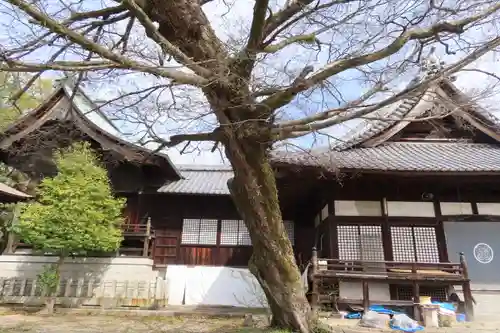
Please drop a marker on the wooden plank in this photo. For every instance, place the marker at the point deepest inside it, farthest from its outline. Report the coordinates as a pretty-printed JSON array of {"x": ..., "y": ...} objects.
[
  {"x": 466, "y": 289},
  {"x": 314, "y": 291},
  {"x": 366, "y": 296}
]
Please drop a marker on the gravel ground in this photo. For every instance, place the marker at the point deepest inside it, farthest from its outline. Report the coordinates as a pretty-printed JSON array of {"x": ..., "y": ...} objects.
[
  {"x": 70, "y": 323},
  {"x": 14, "y": 323}
]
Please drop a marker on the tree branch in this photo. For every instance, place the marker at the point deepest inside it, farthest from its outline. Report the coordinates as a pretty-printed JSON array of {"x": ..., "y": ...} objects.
[
  {"x": 247, "y": 56},
  {"x": 259, "y": 17},
  {"x": 167, "y": 47},
  {"x": 295, "y": 6},
  {"x": 288, "y": 22},
  {"x": 455, "y": 27},
  {"x": 54, "y": 26},
  {"x": 15, "y": 97},
  {"x": 180, "y": 138},
  {"x": 301, "y": 127},
  {"x": 310, "y": 39},
  {"x": 108, "y": 11},
  {"x": 477, "y": 70},
  {"x": 72, "y": 66}
]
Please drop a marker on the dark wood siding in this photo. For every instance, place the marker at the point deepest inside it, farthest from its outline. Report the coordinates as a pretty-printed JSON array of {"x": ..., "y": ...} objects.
[{"x": 168, "y": 211}]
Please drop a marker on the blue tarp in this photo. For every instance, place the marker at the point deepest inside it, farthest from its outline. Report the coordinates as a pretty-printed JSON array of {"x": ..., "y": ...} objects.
[
  {"x": 353, "y": 315},
  {"x": 446, "y": 306},
  {"x": 382, "y": 309},
  {"x": 415, "y": 329}
]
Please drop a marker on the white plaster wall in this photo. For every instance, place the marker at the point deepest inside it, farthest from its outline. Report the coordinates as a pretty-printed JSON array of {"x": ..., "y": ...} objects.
[
  {"x": 354, "y": 290},
  {"x": 357, "y": 208},
  {"x": 456, "y": 208},
  {"x": 410, "y": 208},
  {"x": 208, "y": 285},
  {"x": 105, "y": 269},
  {"x": 487, "y": 304},
  {"x": 324, "y": 212},
  {"x": 488, "y": 208}
]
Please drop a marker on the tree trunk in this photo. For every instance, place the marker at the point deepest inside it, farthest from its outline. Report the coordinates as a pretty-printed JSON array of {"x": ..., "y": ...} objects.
[
  {"x": 273, "y": 263},
  {"x": 51, "y": 299},
  {"x": 247, "y": 140},
  {"x": 10, "y": 235}
]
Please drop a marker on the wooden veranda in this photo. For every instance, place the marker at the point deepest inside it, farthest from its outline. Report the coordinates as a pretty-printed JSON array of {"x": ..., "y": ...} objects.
[{"x": 413, "y": 273}]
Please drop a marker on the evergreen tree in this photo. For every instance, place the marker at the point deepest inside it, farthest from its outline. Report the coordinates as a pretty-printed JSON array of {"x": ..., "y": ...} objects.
[{"x": 75, "y": 213}]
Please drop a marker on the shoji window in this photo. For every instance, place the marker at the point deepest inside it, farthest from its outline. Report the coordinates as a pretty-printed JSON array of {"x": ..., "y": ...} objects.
[
  {"x": 234, "y": 232},
  {"x": 199, "y": 232},
  {"x": 414, "y": 244},
  {"x": 360, "y": 242}
]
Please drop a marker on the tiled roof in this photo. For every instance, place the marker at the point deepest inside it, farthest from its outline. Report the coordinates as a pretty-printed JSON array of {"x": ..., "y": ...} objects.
[
  {"x": 414, "y": 105},
  {"x": 391, "y": 156},
  {"x": 416, "y": 156},
  {"x": 200, "y": 179},
  {"x": 88, "y": 117},
  {"x": 385, "y": 118},
  {"x": 359, "y": 151}
]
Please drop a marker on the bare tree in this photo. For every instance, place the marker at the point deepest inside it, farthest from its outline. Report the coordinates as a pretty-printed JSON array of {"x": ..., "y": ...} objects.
[{"x": 247, "y": 81}]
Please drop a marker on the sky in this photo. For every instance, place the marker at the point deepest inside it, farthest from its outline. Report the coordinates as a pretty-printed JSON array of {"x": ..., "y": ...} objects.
[
  {"x": 229, "y": 26},
  {"x": 469, "y": 82}
]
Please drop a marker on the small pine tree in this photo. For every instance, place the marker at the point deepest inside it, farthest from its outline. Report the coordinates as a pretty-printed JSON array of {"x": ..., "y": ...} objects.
[{"x": 75, "y": 211}]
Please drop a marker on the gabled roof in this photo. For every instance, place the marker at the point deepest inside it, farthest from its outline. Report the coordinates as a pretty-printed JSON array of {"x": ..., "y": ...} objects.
[
  {"x": 374, "y": 146},
  {"x": 69, "y": 104},
  {"x": 10, "y": 194},
  {"x": 439, "y": 99}
]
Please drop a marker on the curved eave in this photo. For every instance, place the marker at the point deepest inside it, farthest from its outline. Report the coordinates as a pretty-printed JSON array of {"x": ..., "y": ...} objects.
[
  {"x": 373, "y": 128},
  {"x": 419, "y": 173},
  {"x": 424, "y": 103},
  {"x": 15, "y": 127},
  {"x": 34, "y": 119},
  {"x": 97, "y": 131},
  {"x": 477, "y": 116}
]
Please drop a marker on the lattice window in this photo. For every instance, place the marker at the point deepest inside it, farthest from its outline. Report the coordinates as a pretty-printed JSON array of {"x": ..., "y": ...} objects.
[
  {"x": 199, "y": 232},
  {"x": 290, "y": 230},
  {"x": 410, "y": 244},
  {"x": 243, "y": 234},
  {"x": 426, "y": 246},
  {"x": 234, "y": 232},
  {"x": 405, "y": 293},
  {"x": 360, "y": 242},
  {"x": 403, "y": 247},
  {"x": 348, "y": 240}
]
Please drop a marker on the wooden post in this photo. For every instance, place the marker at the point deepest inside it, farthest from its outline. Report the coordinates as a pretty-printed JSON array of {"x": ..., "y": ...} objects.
[
  {"x": 466, "y": 289},
  {"x": 366, "y": 296},
  {"x": 416, "y": 301},
  {"x": 416, "y": 293},
  {"x": 314, "y": 271},
  {"x": 145, "y": 250}
]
